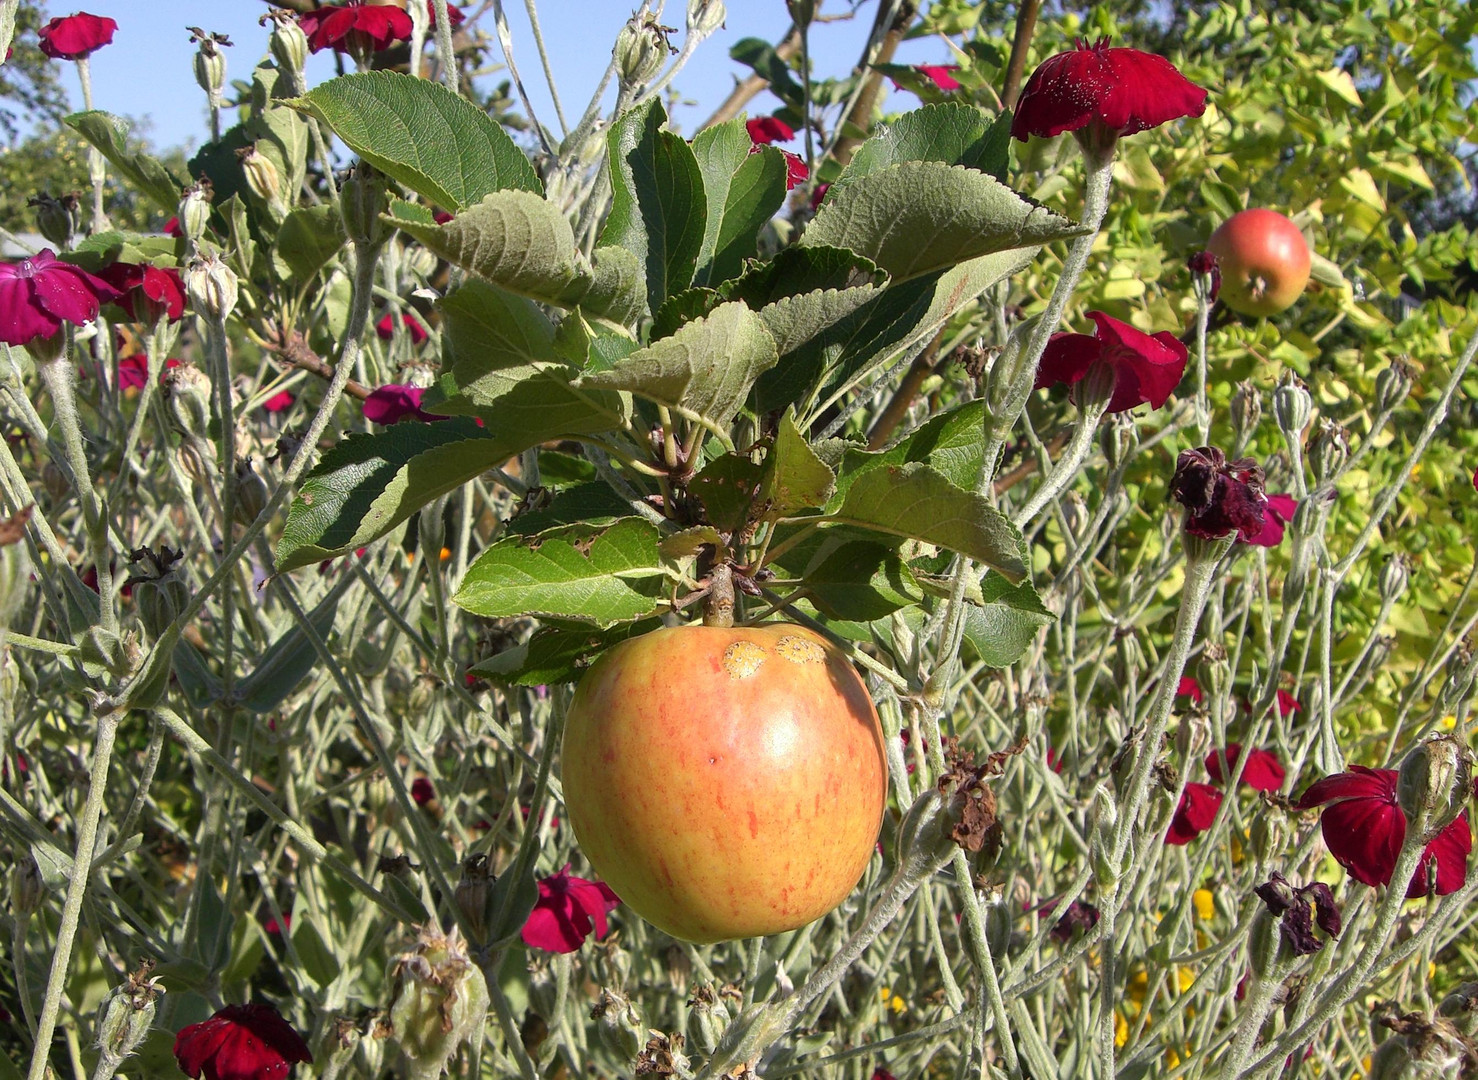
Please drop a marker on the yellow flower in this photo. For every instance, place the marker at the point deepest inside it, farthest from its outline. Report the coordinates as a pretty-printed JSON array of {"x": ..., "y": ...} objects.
[
  {"x": 1121, "y": 1030},
  {"x": 1205, "y": 903},
  {"x": 1186, "y": 977}
]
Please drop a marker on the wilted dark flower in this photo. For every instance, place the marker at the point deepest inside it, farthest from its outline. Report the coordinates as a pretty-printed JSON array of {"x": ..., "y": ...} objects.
[
  {"x": 1079, "y": 915},
  {"x": 1263, "y": 772},
  {"x": 240, "y": 1042},
  {"x": 1364, "y": 829},
  {"x": 1147, "y": 367},
  {"x": 1203, "y": 264},
  {"x": 1122, "y": 90},
  {"x": 1197, "y": 810},
  {"x": 74, "y": 37},
  {"x": 568, "y": 911},
  {"x": 422, "y": 790},
  {"x": 1290, "y": 905},
  {"x": 1220, "y": 497}
]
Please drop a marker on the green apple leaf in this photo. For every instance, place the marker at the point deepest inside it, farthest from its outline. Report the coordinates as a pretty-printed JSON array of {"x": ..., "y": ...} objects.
[
  {"x": 435, "y": 142},
  {"x": 610, "y": 577},
  {"x": 861, "y": 581},
  {"x": 743, "y": 191},
  {"x": 951, "y": 133},
  {"x": 1004, "y": 625},
  {"x": 918, "y": 217},
  {"x": 109, "y": 134},
  {"x": 795, "y": 478}
]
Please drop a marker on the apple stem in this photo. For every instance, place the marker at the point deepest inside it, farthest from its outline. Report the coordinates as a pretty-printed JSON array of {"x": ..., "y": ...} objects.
[{"x": 718, "y": 605}]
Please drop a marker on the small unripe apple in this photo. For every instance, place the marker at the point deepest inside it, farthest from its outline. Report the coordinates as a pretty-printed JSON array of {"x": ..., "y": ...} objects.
[
  {"x": 1264, "y": 261},
  {"x": 726, "y": 782}
]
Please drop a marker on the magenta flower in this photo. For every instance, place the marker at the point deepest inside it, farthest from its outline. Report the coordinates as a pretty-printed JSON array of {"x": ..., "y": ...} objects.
[
  {"x": 422, "y": 790},
  {"x": 394, "y": 402},
  {"x": 240, "y": 1042},
  {"x": 1220, "y": 497},
  {"x": 768, "y": 129},
  {"x": 941, "y": 75},
  {"x": 1147, "y": 367},
  {"x": 1278, "y": 512},
  {"x": 148, "y": 293},
  {"x": 1122, "y": 90},
  {"x": 567, "y": 911},
  {"x": 1263, "y": 772},
  {"x": 75, "y": 37},
  {"x": 40, "y": 293},
  {"x": 1197, "y": 810},
  {"x": 1364, "y": 829},
  {"x": 1287, "y": 703},
  {"x": 1190, "y": 688},
  {"x": 353, "y": 25},
  {"x": 133, "y": 371},
  {"x": 279, "y": 402},
  {"x": 385, "y": 328}
]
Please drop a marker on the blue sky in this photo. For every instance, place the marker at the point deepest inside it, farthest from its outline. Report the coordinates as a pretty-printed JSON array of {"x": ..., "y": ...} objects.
[{"x": 146, "y": 73}]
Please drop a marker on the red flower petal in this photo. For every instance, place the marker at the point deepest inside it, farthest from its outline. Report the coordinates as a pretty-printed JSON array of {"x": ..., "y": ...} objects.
[
  {"x": 940, "y": 75},
  {"x": 1278, "y": 511},
  {"x": 1190, "y": 688},
  {"x": 71, "y": 37},
  {"x": 240, "y": 1042},
  {"x": 1287, "y": 703},
  {"x": 1197, "y": 810},
  {"x": 278, "y": 402},
  {"x": 1263, "y": 771},
  {"x": 1147, "y": 367},
  {"x": 568, "y": 910},
  {"x": 768, "y": 129},
  {"x": 1125, "y": 90},
  {"x": 394, "y": 402},
  {"x": 1066, "y": 359},
  {"x": 1450, "y": 849}
]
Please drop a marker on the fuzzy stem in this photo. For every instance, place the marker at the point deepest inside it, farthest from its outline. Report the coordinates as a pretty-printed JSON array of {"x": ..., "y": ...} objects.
[
  {"x": 66, "y": 934},
  {"x": 96, "y": 171},
  {"x": 1203, "y": 321},
  {"x": 1066, "y": 469}
]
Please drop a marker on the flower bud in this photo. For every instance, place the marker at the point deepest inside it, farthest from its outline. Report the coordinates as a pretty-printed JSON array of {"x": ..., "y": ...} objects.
[
  {"x": 160, "y": 591},
  {"x": 1393, "y": 384},
  {"x": 1117, "y": 437},
  {"x": 802, "y": 12},
  {"x": 1103, "y": 821},
  {"x": 362, "y": 199},
  {"x": 1457, "y": 687},
  {"x": 187, "y": 393},
  {"x": 1328, "y": 450},
  {"x": 288, "y": 46},
  {"x": 641, "y": 51},
  {"x": 1263, "y": 943},
  {"x": 27, "y": 886},
  {"x": 1292, "y": 406},
  {"x": 44, "y": 350},
  {"x": 705, "y": 16},
  {"x": 678, "y": 966},
  {"x": 125, "y": 1016},
  {"x": 15, "y": 566},
  {"x": 1205, "y": 271},
  {"x": 439, "y": 999},
  {"x": 55, "y": 481},
  {"x": 472, "y": 893},
  {"x": 212, "y": 288},
  {"x": 619, "y": 1024},
  {"x": 262, "y": 177},
  {"x": 210, "y": 62},
  {"x": 1434, "y": 783},
  {"x": 708, "y": 1018},
  {"x": 997, "y": 918},
  {"x": 1246, "y": 414},
  {"x": 1268, "y": 833},
  {"x": 251, "y": 493},
  {"x": 57, "y": 219},
  {"x": 1393, "y": 578},
  {"x": 194, "y": 211},
  {"x": 1461, "y": 1007}
]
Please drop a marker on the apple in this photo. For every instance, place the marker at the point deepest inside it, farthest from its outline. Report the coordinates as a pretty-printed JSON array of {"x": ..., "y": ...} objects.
[
  {"x": 1264, "y": 261},
  {"x": 726, "y": 782}
]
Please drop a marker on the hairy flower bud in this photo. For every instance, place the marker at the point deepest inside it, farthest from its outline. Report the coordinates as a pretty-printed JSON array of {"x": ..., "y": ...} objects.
[
  {"x": 1103, "y": 821},
  {"x": 1246, "y": 414},
  {"x": 1461, "y": 1007},
  {"x": 439, "y": 999},
  {"x": 160, "y": 591},
  {"x": 251, "y": 493},
  {"x": 212, "y": 287},
  {"x": 210, "y": 62},
  {"x": 125, "y": 1016},
  {"x": 1268, "y": 833},
  {"x": 641, "y": 51},
  {"x": 1393, "y": 384},
  {"x": 1457, "y": 687},
  {"x": 619, "y": 1024},
  {"x": 1118, "y": 435},
  {"x": 57, "y": 219},
  {"x": 262, "y": 178},
  {"x": 194, "y": 211},
  {"x": 705, "y": 16},
  {"x": 1393, "y": 578},
  {"x": 362, "y": 199},
  {"x": 472, "y": 894},
  {"x": 708, "y": 1018},
  {"x": 1328, "y": 450},
  {"x": 187, "y": 392},
  {"x": 288, "y": 46},
  {"x": 1434, "y": 783},
  {"x": 1292, "y": 406},
  {"x": 15, "y": 566},
  {"x": 27, "y": 886}
]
